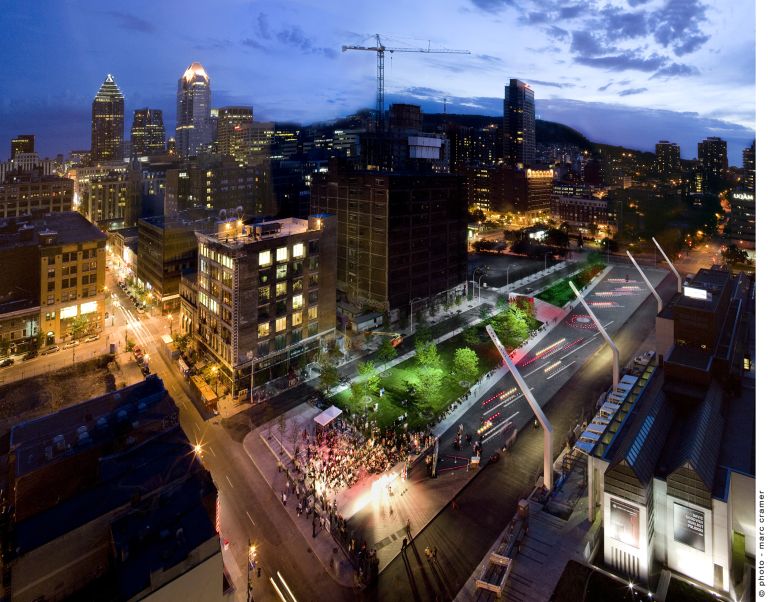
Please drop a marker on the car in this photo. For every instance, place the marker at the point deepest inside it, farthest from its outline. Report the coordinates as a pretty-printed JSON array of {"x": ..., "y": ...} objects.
[
  {"x": 49, "y": 350},
  {"x": 91, "y": 338},
  {"x": 6, "y": 362},
  {"x": 70, "y": 344},
  {"x": 29, "y": 355}
]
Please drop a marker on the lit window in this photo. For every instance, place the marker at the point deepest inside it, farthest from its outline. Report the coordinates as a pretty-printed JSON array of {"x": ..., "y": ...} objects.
[
  {"x": 281, "y": 272},
  {"x": 264, "y": 329},
  {"x": 282, "y": 254},
  {"x": 68, "y": 312},
  {"x": 312, "y": 315},
  {"x": 296, "y": 319},
  {"x": 298, "y": 302},
  {"x": 280, "y": 289},
  {"x": 265, "y": 258},
  {"x": 280, "y": 324},
  {"x": 298, "y": 250},
  {"x": 87, "y": 308}
]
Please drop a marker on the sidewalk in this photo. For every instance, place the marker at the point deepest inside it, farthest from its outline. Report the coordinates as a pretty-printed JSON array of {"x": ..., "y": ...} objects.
[{"x": 264, "y": 453}]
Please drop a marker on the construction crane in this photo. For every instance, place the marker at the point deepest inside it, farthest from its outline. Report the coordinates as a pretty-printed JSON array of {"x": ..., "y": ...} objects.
[{"x": 380, "y": 49}]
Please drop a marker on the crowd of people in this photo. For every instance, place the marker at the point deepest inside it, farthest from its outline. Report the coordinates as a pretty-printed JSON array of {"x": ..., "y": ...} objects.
[{"x": 339, "y": 455}]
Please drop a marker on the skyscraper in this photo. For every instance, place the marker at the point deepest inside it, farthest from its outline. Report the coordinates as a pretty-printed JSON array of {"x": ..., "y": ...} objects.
[
  {"x": 107, "y": 122},
  {"x": 667, "y": 159},
  {"x": 748, "y": 157},
  {"x": 147, "y": 133},
  {"x": 23, "y": 143},
  {"x": 193, "y": 111},
  {"x": 231, "y": 129},
  {"x": 519, "y": 144},
  {"x": 713, "y": 163}
]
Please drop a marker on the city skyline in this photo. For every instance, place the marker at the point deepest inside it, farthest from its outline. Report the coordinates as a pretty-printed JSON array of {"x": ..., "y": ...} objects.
[{"x": 629, "y": 66}]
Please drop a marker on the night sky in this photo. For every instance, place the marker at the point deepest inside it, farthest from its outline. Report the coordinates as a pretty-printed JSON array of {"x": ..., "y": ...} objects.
[{"x": 627, "y": 73}]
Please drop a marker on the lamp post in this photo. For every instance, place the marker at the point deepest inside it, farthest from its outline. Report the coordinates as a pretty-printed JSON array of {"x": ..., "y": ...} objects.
[
  {"x": 251, "y": 357},
  {"x": 251, "y": 566},
  {"x": 479, "y": 289},
  {"x": 545, "y": 260},
  {"x": 473, "y": 277}
]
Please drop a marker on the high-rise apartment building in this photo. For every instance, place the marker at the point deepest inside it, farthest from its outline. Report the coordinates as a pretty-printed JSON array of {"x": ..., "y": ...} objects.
[
  {"x": 23, "y": 143},
  {"x": 231, "y": 128},
  {"x": 193, "y": 111},
  {"x": 107, "y": 125},
  {"x": 519, "y": 128},
  {"x": 401, "y": 236},
  {"x": 147, "y": 133},
  {"x": 748, "y": 157},
  {"x": 713, "y": 163},
  {"x": 668, "y": 160},
  {"x": 103, "y": 197},
  {"x": 266, "y": 295}
]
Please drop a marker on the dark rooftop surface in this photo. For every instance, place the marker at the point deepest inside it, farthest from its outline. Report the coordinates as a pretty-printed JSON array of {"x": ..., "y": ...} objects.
[
  {"x": 712, "y": 280},
  {"x": 47, "y": 439},
  {"x": 161, "y": 536},
  {"x": 70, "y": 227},
  {"x": 139, "y": 471}
]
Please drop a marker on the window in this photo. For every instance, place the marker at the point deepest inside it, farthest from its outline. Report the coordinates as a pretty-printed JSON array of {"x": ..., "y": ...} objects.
[
  {"x": 314, "y": 280},
  {"x": 264, "y": 294},
  {"x": 312, "y": 329},
  {"x": 280, "y": 324},
  {"x": 298, "y": 302},
  {"x": 280, "y": 289},
  {"x": 92, "y": 279},
  {"x": 280, "y": 342},
  {"x": 298, "y": 250},
  {"x": 50, "y": 316},
  {"x": 263, "y": 276},
  {"x": 51, "y": 272},
  {"x": 51, "y": 286},
  {"x": 298, "y": 285},
  {"x": 298, "y": 268},
  {"x": 262, "y": 348},
  {"x": 282, "y": 272},
  {"x": 265, "y": 258},
  {"x": 264, "y": 329},
  {"x": 282, "y": 254},
  {"x": 68, "y": 312},
  {"x": 296, "y": 319},
  {"x": 314, "y": 263},
  {"x": 296, "y": 335},
  {"x": 312, "y": 313}
]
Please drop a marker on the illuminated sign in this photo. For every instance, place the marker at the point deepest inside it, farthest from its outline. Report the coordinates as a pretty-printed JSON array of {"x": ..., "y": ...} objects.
[
  {"x": 743, "y": 196},
  {"x": 689, "y": 526},
  {"x": 68, "y": 312},
  {"x": 695, "y": 293},
  {"x": 625, "y": 523},
  {"x": 87, "y": 308}
]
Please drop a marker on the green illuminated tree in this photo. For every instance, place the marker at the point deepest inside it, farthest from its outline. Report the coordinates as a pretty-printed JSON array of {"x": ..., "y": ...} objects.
[{"x": 466, "y": 364}]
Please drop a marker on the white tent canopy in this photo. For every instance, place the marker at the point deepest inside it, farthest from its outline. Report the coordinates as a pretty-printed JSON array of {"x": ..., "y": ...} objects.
[{"x": 325, "y": 417}]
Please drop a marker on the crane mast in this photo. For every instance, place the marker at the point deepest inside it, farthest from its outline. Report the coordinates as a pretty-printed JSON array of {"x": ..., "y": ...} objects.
[{"x": 380, "y": 49}]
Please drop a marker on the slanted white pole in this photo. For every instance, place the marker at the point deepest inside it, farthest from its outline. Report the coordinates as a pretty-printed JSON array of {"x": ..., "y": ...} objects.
[
  {"x": 608, "y": 340},
  {"x": 538, "y": 412},
  {"x": 671, "y": 265},
  {"x": 648, "y": 282}
]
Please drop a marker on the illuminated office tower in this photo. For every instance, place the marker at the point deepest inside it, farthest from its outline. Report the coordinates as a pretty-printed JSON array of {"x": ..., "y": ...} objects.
[
  {"x": 193, "y": 111},
  {"x": 107, "y": 123}
]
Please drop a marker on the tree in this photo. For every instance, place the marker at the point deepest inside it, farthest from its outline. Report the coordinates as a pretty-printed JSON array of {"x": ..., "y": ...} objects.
[
  {"x": 732, "y": 255},
  {"x": 501, "y": 302},
  {"x": 427, "y": 355},
  {"x": 483, "y": 245},
  {"x": 465, "y": 364},
  {"x": 78, "y": 326},
  {"x": 423, "y": 333},
  {"x": 386, "y": 352},
  {"x": 477, "y": 215},
  {"x": 329, "y": 376},
  {"x": 511, "y": 326},
  {"x": 471, "y": 336},
  {"x": 428, "y": 389},
  {"x": 5, "y": 345},
  {"x": 333, "y": 351},
  {"x": 182, "y": 342},
  {"x": 370, "y": 377}
]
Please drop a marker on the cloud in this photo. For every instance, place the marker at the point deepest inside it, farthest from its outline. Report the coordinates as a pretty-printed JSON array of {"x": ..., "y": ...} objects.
[
  {"x": 556, "y": 33},
  {"x": 493, "y": 6},
  {"x": 624, "y": 25},
  {"x": 131, "y": 22},
  {"x": 538, "y": 82},
  {"x": 253, "y": 44},
  {"x": 622, "y": 62},
  {"x": 632, "y": 91},
  {"x": 605, "y": 87},
  {"x": 574, "y": 10},
  {"x": 537, "y": 17},
  {"x": 262, "y": 26},
  {"x": 675, "y": 70},
  {"x": 585, "y": 43},
  {"x": 678, "y": 25},
  {"x": 213, "y": 44}
]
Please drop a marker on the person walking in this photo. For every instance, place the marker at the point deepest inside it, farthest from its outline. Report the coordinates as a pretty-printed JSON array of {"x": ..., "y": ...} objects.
[
  {"x": 405, "y": 545},
  {"x": 285, "y": 498}
]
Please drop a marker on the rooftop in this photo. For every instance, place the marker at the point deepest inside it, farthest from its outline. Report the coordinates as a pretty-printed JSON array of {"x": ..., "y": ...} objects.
[
  {"x": 234, "y": 233},
  {"x": 67, "y": 227}
]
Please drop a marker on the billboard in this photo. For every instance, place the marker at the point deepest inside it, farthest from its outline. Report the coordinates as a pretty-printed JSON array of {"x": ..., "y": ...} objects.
[
  {"x": 689, "y": 526},
  {"x": 625, "y": 523}
]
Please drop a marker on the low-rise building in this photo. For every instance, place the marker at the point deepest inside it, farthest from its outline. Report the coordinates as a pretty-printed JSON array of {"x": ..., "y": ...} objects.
[
  {"x": 109, "y": 502},
  {"x": 32, "y": 192}
]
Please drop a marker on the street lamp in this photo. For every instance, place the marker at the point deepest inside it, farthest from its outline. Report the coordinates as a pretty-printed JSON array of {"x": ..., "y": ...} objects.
[
  {"x": 481, "y": 267},
  {"x": 545, "y": 260},
  {"x": 480, "y": 290},
  {"x": 251, "y": 566}
]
